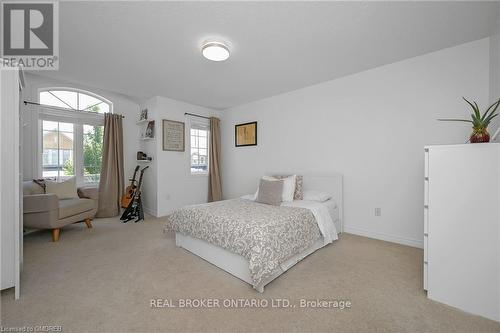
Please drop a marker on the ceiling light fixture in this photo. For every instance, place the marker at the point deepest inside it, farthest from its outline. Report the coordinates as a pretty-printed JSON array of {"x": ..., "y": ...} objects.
[{"x": 215, "y": 51}]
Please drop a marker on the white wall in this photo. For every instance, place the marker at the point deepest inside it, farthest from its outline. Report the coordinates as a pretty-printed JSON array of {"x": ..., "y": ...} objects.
[
  {"x": 495, "y": 69},
  {"x": 171, "y": 185},
  {"x": 372, "y": 127},
  {"x": 495, "y": 60},
  {"x": 121, "y": 104}
]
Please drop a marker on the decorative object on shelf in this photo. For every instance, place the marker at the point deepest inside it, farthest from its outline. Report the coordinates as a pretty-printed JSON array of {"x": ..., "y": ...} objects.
[
  {"x": 173, "y": 135},
  {"x": 143, "y": 115},
  {"x": 143, "y": 157},
  {"x": 150, "y": 130},
  {"x": 245, "y": 134},
  {"x": 479, "y": 121}
]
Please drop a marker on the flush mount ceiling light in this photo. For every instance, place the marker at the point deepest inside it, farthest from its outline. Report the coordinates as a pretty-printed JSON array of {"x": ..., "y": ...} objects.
[{"x": 215, "y": 51}]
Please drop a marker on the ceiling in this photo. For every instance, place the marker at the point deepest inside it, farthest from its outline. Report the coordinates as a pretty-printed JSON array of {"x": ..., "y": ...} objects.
[{"x": 145, "y": 49}]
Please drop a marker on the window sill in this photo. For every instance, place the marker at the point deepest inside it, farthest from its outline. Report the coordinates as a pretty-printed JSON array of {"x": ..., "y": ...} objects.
[{"x": 199, "y": 174}]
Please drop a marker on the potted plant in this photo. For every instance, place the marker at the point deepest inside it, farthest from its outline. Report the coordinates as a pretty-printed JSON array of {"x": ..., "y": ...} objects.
[{"x": 479, "y": 121}]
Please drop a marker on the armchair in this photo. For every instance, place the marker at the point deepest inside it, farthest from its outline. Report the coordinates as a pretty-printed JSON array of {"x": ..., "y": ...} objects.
[{"x": 47, "y": 211}]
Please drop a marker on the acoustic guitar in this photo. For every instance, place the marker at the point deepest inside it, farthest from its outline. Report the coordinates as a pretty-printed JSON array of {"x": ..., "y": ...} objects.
[
  {"x": 130, "y": 190},
  {"x": 135, "y": 209}
]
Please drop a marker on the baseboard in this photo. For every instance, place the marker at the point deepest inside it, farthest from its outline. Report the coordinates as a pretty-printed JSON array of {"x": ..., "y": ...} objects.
[
  {"x": 385, "y": 237},
  {"x": 150, "y": 211}
]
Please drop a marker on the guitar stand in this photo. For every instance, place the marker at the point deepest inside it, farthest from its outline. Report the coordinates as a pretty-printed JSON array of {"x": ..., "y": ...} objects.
[{"x": 134, "y": 210}]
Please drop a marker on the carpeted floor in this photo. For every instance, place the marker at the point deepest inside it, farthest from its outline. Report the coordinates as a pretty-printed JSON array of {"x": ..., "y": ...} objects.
[{"x": 103, "y": 280}]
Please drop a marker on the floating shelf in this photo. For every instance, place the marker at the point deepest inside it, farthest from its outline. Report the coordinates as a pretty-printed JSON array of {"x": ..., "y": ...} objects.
[
  {"x": 144, "y": 161},
  {"x": 144, "y": 121},
  {"x": 147, "y": 139}
]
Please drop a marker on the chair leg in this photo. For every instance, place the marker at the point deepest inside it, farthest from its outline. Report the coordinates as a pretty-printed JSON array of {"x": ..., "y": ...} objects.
[
  {"x": 55, "y": 234},
  {"x": 88, "y": 222}
]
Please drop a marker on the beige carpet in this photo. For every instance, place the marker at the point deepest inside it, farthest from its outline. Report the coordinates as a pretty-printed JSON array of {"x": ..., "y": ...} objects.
[{"x": 102, "y": 280}]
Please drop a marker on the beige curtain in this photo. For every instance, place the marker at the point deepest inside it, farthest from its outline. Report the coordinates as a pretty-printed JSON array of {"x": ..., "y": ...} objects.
[
  {"x": 214, "y": 184},
  {"x": 111, "y": 184}
]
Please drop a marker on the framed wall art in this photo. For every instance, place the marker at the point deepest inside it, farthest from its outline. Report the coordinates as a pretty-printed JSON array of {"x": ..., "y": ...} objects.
[
  {"x": 173, "y": 135},
  {"x": 245, "y": 134}
]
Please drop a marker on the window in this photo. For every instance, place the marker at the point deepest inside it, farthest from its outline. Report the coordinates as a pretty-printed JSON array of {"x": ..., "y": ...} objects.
[
  {"x": 58, "y": 147},
  {"x": 199, "y": 135},
  {"x": 74, "y": 100},
  {"x": 71, "y": 140}
]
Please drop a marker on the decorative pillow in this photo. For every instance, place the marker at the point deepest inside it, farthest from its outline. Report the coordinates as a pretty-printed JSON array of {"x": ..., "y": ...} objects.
[
  {"x": 312, "y": 195},
  {"x": 63, "y": 190},
  {"x": 265, "y": 178},
  {"x": 270, "y": 192},
  {"x": 288, "y": 187},
  {"x": 299, "y": 179}
]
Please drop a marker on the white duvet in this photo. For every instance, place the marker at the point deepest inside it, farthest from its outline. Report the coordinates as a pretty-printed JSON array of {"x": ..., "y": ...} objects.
[
  {"x": 322, "y": 215},
  {"x": 320, "y": 212}
]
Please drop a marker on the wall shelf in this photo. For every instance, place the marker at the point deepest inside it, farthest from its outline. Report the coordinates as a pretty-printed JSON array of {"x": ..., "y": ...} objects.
[
  {"x": 144, "y": 161},
  {"x": 144, "y": 121}
]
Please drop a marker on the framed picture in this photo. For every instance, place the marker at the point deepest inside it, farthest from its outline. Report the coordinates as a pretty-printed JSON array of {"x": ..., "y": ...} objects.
[
  {"x": 173, "y": 135},
  {"x": 143, "y": 115},
  {"x": 150, "y": 130},
  {"x": 245, "y": 134}
]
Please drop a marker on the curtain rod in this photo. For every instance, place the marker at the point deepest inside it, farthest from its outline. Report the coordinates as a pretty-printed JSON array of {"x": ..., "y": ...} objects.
[
  {"x": 59, "y": 108},
  {"x": 196, "y": 115}
]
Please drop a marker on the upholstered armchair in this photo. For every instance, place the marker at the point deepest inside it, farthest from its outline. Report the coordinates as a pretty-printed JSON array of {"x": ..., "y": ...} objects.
[{"x": 47, "y": 211}]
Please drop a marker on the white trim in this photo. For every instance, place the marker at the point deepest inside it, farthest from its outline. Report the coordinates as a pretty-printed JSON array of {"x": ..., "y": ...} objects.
[
  {"x": 78, "y": 154},
  {"x": 385, "y": 237},
  {"x": 66, "y": 115},
  {"x": 77, "y": 90}
]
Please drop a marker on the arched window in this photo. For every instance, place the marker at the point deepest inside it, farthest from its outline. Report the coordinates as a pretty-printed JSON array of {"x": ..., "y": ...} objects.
[
  {"x": 71, "y": 133},
  {"x": 74, "y": 99}
]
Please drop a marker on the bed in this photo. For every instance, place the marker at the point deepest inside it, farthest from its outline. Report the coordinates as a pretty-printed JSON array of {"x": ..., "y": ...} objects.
[{"x": 257, "y": 242}]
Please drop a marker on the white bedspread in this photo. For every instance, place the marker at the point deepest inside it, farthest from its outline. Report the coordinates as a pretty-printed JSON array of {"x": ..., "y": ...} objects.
[
  {"x": 322, "y": 215},
  {"x": 320, "y": 212}
]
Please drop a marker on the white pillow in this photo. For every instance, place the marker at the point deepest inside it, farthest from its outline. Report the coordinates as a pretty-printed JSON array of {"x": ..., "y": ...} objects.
[
  {"x": 313, "y": 195},
  {"x": 63, "y": 190},
  {"x": 288, "y": 187}
]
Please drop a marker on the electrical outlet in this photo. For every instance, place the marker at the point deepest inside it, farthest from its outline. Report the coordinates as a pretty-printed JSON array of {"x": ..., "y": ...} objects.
[{"x": 378, "y": 211}]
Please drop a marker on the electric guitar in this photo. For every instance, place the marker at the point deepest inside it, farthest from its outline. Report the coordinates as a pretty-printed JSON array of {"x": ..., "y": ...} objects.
[{"x": 130, "y": 190}]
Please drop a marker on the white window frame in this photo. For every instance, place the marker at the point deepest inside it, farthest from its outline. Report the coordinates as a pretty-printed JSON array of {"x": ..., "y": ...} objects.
[
  {"x": 79, "y": 119},
  {"x": 193, "y": 121}
]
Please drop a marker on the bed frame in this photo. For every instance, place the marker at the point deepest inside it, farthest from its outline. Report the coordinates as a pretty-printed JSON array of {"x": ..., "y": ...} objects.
[{"x": 237, "y": 265}]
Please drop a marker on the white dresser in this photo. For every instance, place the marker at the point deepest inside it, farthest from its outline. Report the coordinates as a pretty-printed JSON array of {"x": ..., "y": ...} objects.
[{"x": 462, "y": 227}]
